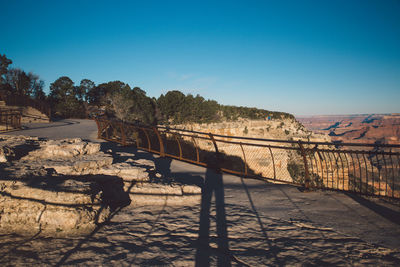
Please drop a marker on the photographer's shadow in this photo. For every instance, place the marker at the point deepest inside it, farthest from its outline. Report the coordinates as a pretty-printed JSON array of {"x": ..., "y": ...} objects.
[{"x": 213, "y": 184}]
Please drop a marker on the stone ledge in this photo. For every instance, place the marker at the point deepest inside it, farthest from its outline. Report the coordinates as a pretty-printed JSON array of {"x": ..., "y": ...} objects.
[{"x": 62, "y": 205}]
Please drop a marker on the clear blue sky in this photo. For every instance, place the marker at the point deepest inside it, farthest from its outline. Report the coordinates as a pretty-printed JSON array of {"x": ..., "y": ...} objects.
[{"x": 302, "y": 57}]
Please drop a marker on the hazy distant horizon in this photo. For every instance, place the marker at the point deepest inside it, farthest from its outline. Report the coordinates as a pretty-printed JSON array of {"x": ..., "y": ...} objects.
[
  {"x": 300, "y": 57},
  {"x": 344, "y": 115}
]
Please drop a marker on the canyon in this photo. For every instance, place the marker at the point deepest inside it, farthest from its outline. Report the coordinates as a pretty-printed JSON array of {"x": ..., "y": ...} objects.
[{"x": 367, "y": 128}]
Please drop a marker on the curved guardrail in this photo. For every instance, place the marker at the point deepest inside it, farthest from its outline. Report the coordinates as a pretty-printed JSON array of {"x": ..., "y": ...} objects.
[{"x": 369, "y": 169}]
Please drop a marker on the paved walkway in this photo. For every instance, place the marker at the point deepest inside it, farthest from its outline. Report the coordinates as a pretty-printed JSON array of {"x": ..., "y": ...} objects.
[
  {"x": 72, "y": 128},
  {"x": 242, "y": 222}
]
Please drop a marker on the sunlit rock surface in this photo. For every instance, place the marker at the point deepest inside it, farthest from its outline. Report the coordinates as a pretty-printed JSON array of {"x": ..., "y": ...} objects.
[{"x": 69, "y": 186}]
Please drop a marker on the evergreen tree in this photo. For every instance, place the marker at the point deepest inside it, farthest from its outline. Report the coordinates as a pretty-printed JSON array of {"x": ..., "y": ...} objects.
[{"x": 63, "y": 99}]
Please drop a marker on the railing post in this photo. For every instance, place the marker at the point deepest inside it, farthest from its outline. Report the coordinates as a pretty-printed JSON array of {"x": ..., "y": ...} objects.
[
  {"x": 19, "y": 120},
  {"x": 16, "y": 125},
  {"x": 273, "y": 161},
  {"x": 244, "y": 158},
  {"x": 217, "y": 155},
  {"x": 306, "y": 174},
  {"x": 215, "y": 143},
  {"x": 162, "y": 152},
  {"x": 148, "y": 139},
  {"x": 197, "y": 150},
  {"x": 136, "y": 135},
  {"x": 179, "y": 145},
  {"x": 7, "y": 117}
]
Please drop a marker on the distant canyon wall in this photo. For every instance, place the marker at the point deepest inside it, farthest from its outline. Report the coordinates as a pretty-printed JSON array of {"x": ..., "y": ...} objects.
[
  {"x": 282, "y": 129},
  {"x": 369, "y": 128}
]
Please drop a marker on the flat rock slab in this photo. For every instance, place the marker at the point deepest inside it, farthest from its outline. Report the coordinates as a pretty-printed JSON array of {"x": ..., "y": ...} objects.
[{"x": 59, "y": 206}]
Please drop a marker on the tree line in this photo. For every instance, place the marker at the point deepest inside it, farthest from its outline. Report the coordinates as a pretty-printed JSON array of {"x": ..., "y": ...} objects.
[
  {"x": 19, "y": 82},
  {"x": 117, "y": 99}
]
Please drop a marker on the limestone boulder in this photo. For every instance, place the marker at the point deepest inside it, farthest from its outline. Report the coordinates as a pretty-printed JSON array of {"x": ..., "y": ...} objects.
[
  {"x": 61, "y": 205},
  {"x": 66, "y": 148},
  {"x": 163, "y": 194},
  {"x": 156, "y": 189},
  {"x": 83, "y": 165},
  {"x": 191, "y": 190}
]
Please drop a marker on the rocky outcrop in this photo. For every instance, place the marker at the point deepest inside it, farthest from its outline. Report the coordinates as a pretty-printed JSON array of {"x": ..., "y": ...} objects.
[
  {"x": 69, "y": 186},
  {"x": 64, "y": 149},
  {"x": 59, "y": 205},
  {"x": 282, "y": 129}
]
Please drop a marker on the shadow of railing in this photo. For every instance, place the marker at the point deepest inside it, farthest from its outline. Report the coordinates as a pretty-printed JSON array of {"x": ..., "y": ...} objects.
[{"x": 391, "y": 215}]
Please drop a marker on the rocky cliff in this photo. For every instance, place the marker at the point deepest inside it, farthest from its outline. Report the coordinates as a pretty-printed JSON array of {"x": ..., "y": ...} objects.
[{"x": 282, "y": 129}]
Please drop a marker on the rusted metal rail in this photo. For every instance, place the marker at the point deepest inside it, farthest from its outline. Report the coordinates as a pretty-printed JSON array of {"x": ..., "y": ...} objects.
[
  {"x": 9, "y": 120},
  {"x": 368, "y": 169}
]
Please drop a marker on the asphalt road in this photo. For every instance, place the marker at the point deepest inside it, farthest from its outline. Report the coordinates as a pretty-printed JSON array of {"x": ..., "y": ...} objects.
[
  {"x": 72, "y": 128},
  {"x": 373, "y": 220}
]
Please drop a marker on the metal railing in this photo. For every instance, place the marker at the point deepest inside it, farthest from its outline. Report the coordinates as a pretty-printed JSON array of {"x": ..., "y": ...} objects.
[
  {"x": 9, "y": 120},
  {"x": 26, "y": 101},
  {"x": 368, "y": 169}
]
